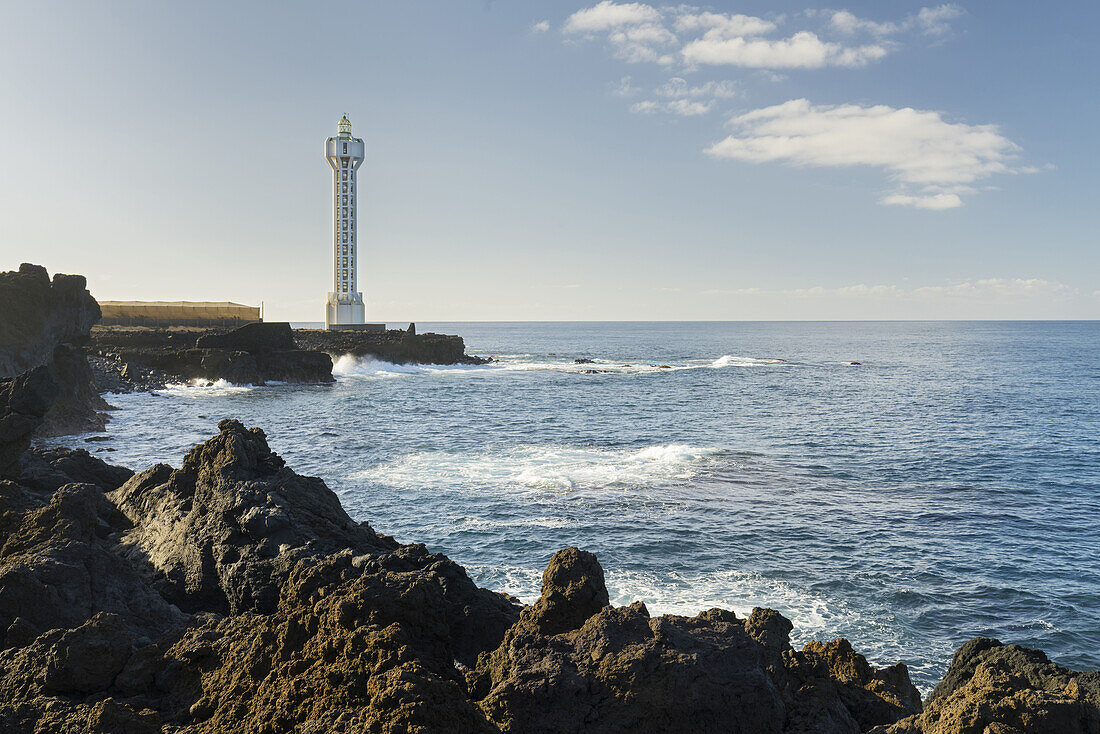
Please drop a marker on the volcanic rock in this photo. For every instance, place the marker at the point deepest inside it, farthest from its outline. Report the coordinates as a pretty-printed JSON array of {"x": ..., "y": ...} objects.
[
  {"x": 46, "y": 469},
  {"x": 992, "y": 688},
  {"x": 397, "y": 346},
  {"x": 24, "y": 402},
  {"x": 573, "y": 664},
  {"x": 572, "y": 591},
  {"x": 57, "y": 569},
  {"x": 39, "y": 314},
  {"x": 252, "y": 338},
  {"x": 45, "y": 323},
  {"x": 141, "y": 358},
  {"x": 224, "y": 530}
]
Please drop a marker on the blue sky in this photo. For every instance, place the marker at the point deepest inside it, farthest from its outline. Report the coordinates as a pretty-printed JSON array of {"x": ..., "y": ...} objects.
[{"x": 563, "y": 160}]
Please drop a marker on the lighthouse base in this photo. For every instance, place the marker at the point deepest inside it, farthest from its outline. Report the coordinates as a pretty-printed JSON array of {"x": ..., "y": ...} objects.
[{"x": 346, "y": 311}]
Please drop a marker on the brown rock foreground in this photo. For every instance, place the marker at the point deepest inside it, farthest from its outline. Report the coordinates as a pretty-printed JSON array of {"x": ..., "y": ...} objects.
[{"x": 233, "y": 595}]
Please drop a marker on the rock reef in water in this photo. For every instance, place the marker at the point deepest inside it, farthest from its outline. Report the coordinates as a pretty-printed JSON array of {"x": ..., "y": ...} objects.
[
  {"x": 397, "y": 346},
  {"x": 143, "y": 358},
  {"x": 128, "y": 358},
  {"x": 234, "y": 595},
  {"x": 45, "y": 323}
]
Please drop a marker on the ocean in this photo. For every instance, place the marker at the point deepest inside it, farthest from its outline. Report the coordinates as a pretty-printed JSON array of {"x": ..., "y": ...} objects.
[{"x": 946, "y": 487}]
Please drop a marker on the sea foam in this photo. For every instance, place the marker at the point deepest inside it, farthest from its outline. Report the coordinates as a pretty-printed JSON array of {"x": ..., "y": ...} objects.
[
  {"x": 539, "y": 466},
  {"x": 352, "y": 367}
]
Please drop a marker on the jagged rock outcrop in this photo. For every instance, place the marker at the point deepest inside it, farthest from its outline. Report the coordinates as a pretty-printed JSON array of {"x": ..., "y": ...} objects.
[
  {"x": 46, "y": 323},
  {"x": 230, "y": 595},
  {"x": 573, "y": 589},
  {"x": 58, "y": 569},
  {"x": 242, "y": 514},
  {"x": 992, "y": 688},
  {"x": 225, "y": 531},
  {"x": 144, "y": 358},
  {"x": 574, "y": 664}
]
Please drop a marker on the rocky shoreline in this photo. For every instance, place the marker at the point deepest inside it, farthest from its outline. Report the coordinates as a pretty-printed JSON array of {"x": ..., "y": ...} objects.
[{"x": 232, "y": 594}]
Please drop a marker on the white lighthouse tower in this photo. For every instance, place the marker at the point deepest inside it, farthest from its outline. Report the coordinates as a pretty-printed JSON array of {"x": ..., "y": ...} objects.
[{"x": 344, "y": 309}]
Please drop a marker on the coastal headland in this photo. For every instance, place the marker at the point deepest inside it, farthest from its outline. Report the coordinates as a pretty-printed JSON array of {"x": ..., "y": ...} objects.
[{"x": 232, "y": 594}]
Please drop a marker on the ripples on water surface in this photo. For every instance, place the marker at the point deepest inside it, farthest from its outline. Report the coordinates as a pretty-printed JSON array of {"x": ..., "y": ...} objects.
[{"x": 946, "y": 488}]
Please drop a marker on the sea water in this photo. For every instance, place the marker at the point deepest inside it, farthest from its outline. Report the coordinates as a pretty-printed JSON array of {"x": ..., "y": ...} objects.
[{"x": 944, "y": 488}]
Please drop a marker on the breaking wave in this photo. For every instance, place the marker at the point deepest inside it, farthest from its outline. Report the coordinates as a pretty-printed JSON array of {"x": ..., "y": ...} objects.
[
  {"x": 201, "y": 386},
  {"x": 553, "y": 467},
  {"x": 351, "y": 366}
]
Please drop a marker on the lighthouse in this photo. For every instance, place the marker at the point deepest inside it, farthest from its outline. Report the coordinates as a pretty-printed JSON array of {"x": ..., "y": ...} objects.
[{"x": 344, "y": 153}]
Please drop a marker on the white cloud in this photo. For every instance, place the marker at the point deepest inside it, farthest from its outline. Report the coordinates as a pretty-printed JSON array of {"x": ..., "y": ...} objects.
[
  {"x": 541, "y": 27},
  {"x": 678, "y": 87},
  {"x": 639, "y": 43},
  {"x": 934, "y": 21},
  {"x": 849, "y": 24},
  {"x": 929, "y": 20},
  {"x": 625, "y": 88},
  {"x": 926, "y": 201},
  {"x": 683, "y": 34},
  {"x": 607, "y": 15},
  {"x": 723, "y": 25},
  {"x": 916, "y": 148},
  {"x": 803, "y": 50},
  {"x": 671, "y": 34},
  {"x": 974, "y": 298},
  {"x": 688, "y": 107},
  {"x": 682, "y": 107}
]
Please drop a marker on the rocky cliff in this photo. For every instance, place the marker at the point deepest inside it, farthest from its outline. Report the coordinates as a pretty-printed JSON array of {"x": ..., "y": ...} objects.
[
  {"x": 234, "y": 595},
  {"x": 46, "y": 323}
]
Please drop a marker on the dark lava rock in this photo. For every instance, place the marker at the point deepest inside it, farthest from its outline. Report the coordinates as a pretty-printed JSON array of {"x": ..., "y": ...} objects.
[
  {"x": 572, "y": 591},
  {"x": 322, "y": 624},
  {"x": 46, "y": 469},
  {"x": 87, "y": 659},
  {"x": 24, "y": 402},
  {"x": 992, "y": 688},
  {"x": 225, "y": 531},
  {"x": 298, "y": 619},
  {"x": 397, "y": 346},
  {"x": 235, "y": 505},
  {"x": 57, "y": 566},
  {"x": 573, "y": 664},
  {"x": 584, "y": 360},
  {"x": 259, "y": 337},
  {"x": 39, "y": 314},
  {"x": 139, "y": 358},
  {"x": 45, "y": 323}
]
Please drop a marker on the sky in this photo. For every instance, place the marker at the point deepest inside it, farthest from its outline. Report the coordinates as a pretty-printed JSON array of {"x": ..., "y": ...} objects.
[{"x": 563, "y": 160}]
